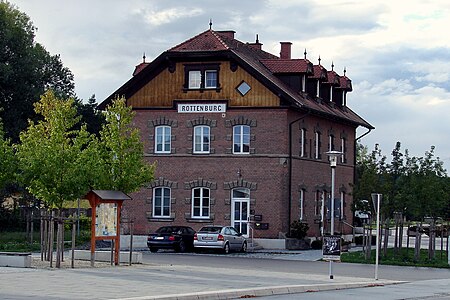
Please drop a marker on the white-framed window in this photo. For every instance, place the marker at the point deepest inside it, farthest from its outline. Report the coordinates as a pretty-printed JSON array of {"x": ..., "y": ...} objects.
[
  {"x": 302, "y": 142},
  {"x": 317, "y": 145},
  {"x": 200, "y": 202},
  {"x": 201, "y": 139},
  {"x": 301, "y": 204},
  {"x": 330, "y": 142},
  {"x": 343, "y": 149},
  {"x": 210, "y": 79},
  {"x": 342, "y": 204},
  {"x": 161, "y": 202},
  {"x": 195, "y": 79},
  {"x": 162, "y": 139},
  {"x": 241, "y": 139}
]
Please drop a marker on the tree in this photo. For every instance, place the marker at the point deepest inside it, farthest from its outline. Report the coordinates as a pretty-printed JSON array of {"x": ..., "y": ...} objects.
[
  {"x": 93, "y": 118},
  {"x": 7, "y": 160},
  {"x": 54, "y": 159},
  {"x": 27, "y": 70},
  {"x": 120, "y": 162}
]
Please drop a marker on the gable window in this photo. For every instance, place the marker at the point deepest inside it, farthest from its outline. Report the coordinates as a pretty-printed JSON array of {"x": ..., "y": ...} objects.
[
  {"x": 161, "y": 202},
  {"x": 200, "y": 203},
  {"x": 201, "y": 139},
  {"x": 162, "y": 139},
  {"x": 210, "y": 79},
  {"x": 201, "y": 77},
  {"x": 195, "y": 79},
  {"x": 241, "y": 139}
]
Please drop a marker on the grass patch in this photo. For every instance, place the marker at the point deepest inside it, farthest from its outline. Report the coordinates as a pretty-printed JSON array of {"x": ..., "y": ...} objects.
[{"x": 404, "y": 258}]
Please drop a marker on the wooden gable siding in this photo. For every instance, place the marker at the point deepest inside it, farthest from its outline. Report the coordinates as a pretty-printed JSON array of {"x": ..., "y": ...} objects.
[{"x": 166, "y": 87}]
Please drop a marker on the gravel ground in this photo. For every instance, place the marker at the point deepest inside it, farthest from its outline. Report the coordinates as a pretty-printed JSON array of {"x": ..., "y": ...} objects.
[{"x": 37, "y": 263}]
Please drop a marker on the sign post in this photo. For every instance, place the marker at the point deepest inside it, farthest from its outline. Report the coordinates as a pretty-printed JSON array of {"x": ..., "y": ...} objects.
[{"x": 376, "y": 199}]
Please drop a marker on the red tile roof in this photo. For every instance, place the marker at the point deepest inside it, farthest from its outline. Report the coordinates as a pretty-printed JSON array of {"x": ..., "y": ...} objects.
[
  {"x": 333, "y": 78},
  {"x": 259, "y": 63}
]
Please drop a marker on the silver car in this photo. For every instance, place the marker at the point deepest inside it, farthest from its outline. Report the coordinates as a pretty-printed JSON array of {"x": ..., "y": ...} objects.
[{"x": 224, "y": 238}]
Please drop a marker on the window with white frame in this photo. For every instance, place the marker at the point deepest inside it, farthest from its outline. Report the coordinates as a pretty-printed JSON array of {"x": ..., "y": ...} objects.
[
  {"x": 302, "y": 203},
  {"x": 201, "y": 139},
  {"x": 241, "y": 139},
  {"x": 302, "y": 142},
  {"x": 343, "y": 149},
  {"x": 161, "y": 202},
  {"x": 317, "y": 145},
  {"x": 342, "y": 205},
  {"x": 195, "y": 79},
  {"x": 200, "y": 202},
  {"x": 330, "y": 142},
  {"x": 162, "y": 139},
  {"x": 210, "y": 79}
]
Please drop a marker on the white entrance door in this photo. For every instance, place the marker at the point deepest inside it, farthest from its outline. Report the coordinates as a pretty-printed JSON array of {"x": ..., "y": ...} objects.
[{"x": 240, "y": 210}]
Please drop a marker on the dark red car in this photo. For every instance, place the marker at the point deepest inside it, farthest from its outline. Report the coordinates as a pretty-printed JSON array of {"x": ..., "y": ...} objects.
[{"x": 178, "y": 238}]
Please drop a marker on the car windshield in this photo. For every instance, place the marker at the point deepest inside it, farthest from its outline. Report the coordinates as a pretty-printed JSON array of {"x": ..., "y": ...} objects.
[{"x": 211, "y": 229}]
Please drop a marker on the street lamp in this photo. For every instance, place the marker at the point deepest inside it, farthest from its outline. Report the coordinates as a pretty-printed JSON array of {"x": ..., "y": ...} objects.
[
  {"x": 376, "y": 199},
  {"x": 333, "y": 156}
]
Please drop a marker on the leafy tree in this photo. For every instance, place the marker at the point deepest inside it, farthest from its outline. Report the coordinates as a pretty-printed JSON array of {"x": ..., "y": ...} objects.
[
  {"x": 54, "y": 159},
  {"x": 27, "y": 70},
  {"x": 120, "y": 163},
  {"x": 93, "y": 118},
  {"x": 7, "y": 160}
]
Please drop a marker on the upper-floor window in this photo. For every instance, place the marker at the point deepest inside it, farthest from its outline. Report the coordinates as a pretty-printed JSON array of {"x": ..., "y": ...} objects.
[
  {"x": 302, "y": 142},
  {"x": 200, "y": 202},
  {"x": 343, "y": 150},
  {"x": 162, "y": 139},
  {"x": 161, "y": 202},
  {"x": 201, "y": 76},
  {"x": 241, "y": 139},
  {"x": 201, "y": 139},
  {"x": 317, "y": 145},
  {"x": 330, "y": 142}
]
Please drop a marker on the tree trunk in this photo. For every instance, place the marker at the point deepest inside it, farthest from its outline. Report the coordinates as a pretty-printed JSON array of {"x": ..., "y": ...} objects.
[
  {"x": 400, "y": 236},
  {"x": 386, "y": 237},
  {"x": 417, "y": 242}
]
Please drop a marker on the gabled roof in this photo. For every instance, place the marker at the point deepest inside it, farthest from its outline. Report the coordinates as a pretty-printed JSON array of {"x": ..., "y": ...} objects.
[
  {"x": 333, "y": 78},
  {"x": 262, "y": 65}
]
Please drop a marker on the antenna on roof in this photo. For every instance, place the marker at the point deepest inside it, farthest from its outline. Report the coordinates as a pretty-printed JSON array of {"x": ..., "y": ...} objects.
[
  {"x": 332, "y": 66},
  {"x": 305, "y": 53},
  {"x": 319, "y": 60},
  {"x": 345, "y": 70},
  {"x": 257, "y": 39},
  {"x": 210, "y": 24},
  {"x": 143, "y": 58}
]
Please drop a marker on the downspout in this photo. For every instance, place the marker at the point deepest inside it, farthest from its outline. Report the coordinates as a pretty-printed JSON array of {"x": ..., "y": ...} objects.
[{"x": 290, "y": 168}]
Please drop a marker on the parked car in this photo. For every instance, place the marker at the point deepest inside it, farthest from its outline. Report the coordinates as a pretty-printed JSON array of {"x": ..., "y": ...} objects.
[
  {"x": 178, "y": 238},
  {"x": 224, "y": 238}
]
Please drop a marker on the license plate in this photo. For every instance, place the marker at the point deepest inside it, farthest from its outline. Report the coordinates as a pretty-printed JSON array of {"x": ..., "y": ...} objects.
[
  {"x": 207, "y": 238},
  {"x": 159, "y": 238}
]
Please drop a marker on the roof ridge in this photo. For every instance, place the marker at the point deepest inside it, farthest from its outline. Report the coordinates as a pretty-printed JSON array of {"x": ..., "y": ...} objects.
[
  {"x": 188, "y": 40},
  {"x": 217, "y": 35}
]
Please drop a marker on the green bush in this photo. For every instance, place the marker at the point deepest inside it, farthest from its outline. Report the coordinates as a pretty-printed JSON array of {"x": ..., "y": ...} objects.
[{"x": 299, "y": 230}]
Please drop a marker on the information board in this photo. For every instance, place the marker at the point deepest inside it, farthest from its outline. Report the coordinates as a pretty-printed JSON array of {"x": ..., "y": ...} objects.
[{"x": 106, "y": 219}]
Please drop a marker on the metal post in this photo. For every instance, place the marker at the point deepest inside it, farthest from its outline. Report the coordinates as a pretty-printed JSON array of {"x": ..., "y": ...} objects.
[
  {"x": 378, "y": 236},
  {"x": 333, "y": 170}
]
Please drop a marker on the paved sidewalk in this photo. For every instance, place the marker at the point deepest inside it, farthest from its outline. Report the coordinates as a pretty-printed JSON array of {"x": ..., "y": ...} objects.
[{"x": 155, "y": 281}]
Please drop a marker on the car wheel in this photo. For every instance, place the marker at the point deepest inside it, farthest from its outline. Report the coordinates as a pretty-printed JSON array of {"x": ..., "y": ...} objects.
[
  {"x": 226, "y": 248},
  {"x": 181, "y": 247},
  {"x": 153, "y": 250},
  {"x": 244, "y": 247}
]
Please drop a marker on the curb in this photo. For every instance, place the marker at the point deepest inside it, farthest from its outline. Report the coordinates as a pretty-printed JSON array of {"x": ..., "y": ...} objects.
[{"x": 265, "y": 291}]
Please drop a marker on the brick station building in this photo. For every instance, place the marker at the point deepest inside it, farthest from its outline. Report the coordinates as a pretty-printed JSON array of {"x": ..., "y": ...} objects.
[{"x": 239, "y": 136}]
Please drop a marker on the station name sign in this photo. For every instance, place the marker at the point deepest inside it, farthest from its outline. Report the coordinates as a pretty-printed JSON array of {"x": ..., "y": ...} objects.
[{"x": 202, "y": 108}]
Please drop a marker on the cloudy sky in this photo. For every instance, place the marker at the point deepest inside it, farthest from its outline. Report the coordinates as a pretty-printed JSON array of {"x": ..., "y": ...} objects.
[{"x": 397, "y": 53}]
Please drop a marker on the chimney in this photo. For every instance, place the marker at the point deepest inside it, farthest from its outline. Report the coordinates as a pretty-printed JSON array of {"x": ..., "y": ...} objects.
[
  {"x": 256, "y": 45},
  {"x": 285, "y": 52},
  {"x": 227, "y": 33}
]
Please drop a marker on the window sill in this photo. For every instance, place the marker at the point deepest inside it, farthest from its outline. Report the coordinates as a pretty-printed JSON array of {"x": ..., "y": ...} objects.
[
  {"x": 195, "y": 220},
  {"x": 161, "y": 219},
  {"x": 201, "y": 90}
]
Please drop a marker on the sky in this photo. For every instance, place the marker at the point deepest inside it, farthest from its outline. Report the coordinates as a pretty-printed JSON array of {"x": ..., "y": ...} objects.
[{"x": 397, "y": 53}]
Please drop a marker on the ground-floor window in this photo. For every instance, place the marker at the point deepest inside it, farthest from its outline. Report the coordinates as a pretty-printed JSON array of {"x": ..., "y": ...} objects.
[
  {"x": 161, "y": 202},
  {"x": 200, "y": 203}
]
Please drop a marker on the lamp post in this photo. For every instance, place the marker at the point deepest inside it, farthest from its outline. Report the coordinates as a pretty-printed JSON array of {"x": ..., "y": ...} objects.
[
  {"x": 376, "y": 199},
  {"x": 333, "y": 156}
]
